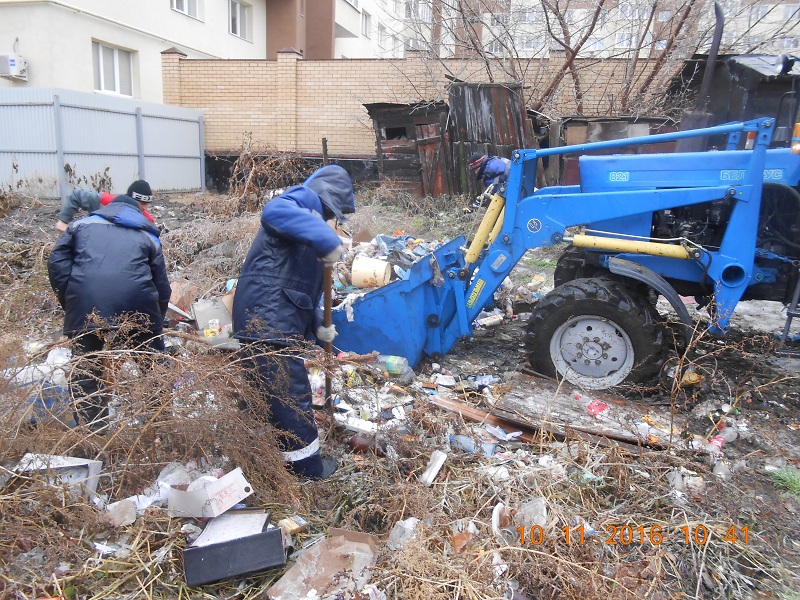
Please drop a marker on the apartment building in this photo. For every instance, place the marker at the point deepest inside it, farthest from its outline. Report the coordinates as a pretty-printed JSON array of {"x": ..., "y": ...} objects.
[
  {"x": 612, "y": 28},
  {"x": 114, "y": 47},
  {"x": 336, "y": 29}
]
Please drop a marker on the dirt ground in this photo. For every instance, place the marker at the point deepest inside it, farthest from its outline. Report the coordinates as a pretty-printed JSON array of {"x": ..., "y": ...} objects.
[{"x": 743, "y": 384}]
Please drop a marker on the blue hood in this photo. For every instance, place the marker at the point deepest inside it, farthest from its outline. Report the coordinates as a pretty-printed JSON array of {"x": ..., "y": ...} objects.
[{"x": 335, "y": 190}]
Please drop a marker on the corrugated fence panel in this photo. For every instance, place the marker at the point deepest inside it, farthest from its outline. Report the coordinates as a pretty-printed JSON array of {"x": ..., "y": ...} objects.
[
  {"x": 121, "y": 169},
  {"x": 42, "y": 130},
  {"x": 170, "y": 153},
  {"x": 173, "y": 174},
  {"x": 27, "y": 128},
  {"x": 92, "y": 131},
  {"x": 33, "y": 171}
]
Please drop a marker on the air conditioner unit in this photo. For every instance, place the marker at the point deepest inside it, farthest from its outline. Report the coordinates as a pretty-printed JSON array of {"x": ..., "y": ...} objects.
[{"x": 13, "y": 66}]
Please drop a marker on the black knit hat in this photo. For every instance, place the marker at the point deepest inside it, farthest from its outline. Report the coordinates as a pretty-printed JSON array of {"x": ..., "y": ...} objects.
[
  {"x": 475, "y": 159},
  {"x": 140, "y": 190}
]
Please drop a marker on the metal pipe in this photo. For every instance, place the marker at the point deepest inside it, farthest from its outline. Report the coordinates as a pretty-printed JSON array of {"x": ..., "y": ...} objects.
[
  {"x": 485, "y": 228},
  {"x": 497, "y": 227},
  {"x": 619, "y": 245}
]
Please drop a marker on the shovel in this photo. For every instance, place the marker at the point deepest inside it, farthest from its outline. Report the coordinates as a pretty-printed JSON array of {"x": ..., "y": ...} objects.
[{"x": 327, "y": 285}]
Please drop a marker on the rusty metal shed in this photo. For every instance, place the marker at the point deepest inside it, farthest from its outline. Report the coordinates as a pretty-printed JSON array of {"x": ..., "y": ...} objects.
[{"x": 424, "y": 147}]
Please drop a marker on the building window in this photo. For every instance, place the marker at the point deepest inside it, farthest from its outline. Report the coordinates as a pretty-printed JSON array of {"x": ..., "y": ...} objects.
[
  {"x": 499, "y": 19},
  {"x": 496, "y": 47},
  {"x": 528, "y": 15},
  {"x": 187, "y": 7},
  {"x": 526, "y": 41},
  {"x": 113, "y": 69},
  {"x": 353, "y": 3},
  {"x": 366, "y": 24},
  {"x": 758, "y": 13},
  {"x": 240, "y": 18},
  {"x": 419, "y": 10},
  {"x": 624, "y": 39},
  {"x": 381, "y": 36},
  {"x": 790, "y": 12},
  {"x": 594, "y": 45},
  {"x": 664, "y": 15},
  {"x": 660, "y": 44}
]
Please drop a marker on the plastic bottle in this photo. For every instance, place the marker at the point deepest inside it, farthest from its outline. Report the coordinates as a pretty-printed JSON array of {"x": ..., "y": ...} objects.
[
  {"x": 492, "y": 321},
  {"x": 729, "y": 434},
  {"x": 394, "y": 365}
]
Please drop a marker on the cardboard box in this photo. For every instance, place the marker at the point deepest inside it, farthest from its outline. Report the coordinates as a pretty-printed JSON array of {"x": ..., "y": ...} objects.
[
  {"x": 78, "y": 474},
  {"x": 235, "y": 543},
  {"x": 211, "y": 500}
]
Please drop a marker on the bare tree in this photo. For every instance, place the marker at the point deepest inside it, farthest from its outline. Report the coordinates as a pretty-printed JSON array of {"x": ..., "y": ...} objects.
[{"x": 557, "y": 45}]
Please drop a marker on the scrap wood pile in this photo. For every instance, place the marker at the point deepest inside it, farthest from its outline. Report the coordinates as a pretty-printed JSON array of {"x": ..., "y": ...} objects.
[{"x": 452, "y": 508}]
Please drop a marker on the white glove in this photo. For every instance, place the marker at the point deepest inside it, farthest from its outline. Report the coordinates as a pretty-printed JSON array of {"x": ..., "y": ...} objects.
[
  {"x": 333, "y": 256},
  {"x": 326, "y": 334}
]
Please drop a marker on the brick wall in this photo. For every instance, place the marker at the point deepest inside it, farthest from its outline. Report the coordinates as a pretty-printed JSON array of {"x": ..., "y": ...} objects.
[{"x": 291, "y": 104}]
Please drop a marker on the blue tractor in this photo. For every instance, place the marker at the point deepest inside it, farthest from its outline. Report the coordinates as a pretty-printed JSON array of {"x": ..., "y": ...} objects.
[{"x": 721, "y": 226}]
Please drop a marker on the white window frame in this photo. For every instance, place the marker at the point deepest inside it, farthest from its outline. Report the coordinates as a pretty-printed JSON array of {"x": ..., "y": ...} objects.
[
  {"x": 101, "y": 72},
  {"x": 366, "y": 24},
  {"x": 623, "y": 39},
  {"x": 496, "y": 47},
  {"x": 187, "y": 7},
  {"x": 759, "y": 12},
  {"x": 353, "y": 3},
  {"x": 382, "y": 35},
  {"x": 790, "y": 11},
  {"x": 664, "y": 15},
  {"x": 594, "y": 45},
  {"x": 239, "y": 7}
]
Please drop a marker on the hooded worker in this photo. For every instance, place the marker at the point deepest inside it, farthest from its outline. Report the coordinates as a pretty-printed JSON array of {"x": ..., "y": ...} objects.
[{"x": 276, "y": 305}]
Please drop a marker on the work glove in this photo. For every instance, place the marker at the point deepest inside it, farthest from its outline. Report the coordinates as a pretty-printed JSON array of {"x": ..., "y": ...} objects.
[
  {"x": 326, "y": 334},
  {"x": 333, "y": 256}
]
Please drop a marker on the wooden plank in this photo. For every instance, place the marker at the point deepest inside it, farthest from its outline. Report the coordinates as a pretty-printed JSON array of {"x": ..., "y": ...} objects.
[
  {"x": 531, "y": 430},
  {"x": 542, "y": 402}
]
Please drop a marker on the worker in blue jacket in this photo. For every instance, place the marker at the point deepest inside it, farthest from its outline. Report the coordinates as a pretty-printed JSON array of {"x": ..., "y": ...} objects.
[
  {"x": 105, "y": 268},
  {"x": 275, "y": 308},
  {"x": 489, "y": 169}
]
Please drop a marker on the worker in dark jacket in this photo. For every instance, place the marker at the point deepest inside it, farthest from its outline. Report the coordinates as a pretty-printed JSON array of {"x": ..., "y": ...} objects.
[
  {"x": 110, "y": 264},
  {"x": 90, "y": 201},
  {"x": 276, "y": 305}
]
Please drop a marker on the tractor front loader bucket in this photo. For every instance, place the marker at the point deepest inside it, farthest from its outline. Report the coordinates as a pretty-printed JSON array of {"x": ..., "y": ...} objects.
[{"x": 406, "y": 317}]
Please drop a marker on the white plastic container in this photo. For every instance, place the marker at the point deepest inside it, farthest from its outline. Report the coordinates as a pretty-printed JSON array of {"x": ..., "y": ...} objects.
[{"x": 370, "y": 272}]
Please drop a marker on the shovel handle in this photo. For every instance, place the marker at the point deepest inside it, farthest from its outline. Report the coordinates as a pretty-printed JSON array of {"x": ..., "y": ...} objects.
[{"x": 327, "y": 320}]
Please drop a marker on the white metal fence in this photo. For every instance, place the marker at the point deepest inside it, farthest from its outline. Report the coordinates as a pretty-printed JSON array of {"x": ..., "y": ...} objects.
[{"x": 53, "y": 140}]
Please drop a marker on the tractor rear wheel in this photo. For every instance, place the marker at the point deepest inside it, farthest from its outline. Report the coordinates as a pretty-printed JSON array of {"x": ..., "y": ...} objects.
[{"x": 596, "y": 334}]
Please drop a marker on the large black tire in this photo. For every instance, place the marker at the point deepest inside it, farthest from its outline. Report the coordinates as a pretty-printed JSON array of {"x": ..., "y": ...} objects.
[{"x": 596, "y": 334}]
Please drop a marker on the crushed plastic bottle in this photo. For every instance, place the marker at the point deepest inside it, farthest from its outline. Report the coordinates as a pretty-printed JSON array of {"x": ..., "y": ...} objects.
[{"x": 395, "y": 365}]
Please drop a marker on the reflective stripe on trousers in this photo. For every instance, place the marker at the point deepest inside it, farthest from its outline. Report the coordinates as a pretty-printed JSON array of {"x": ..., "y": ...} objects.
[
  {"x": 284, "y": 381},
  {"x": 302, "y": 453}
]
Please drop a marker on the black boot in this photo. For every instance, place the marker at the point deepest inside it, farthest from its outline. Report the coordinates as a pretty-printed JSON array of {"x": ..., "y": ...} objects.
[{"x": 315, "y": 467}]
